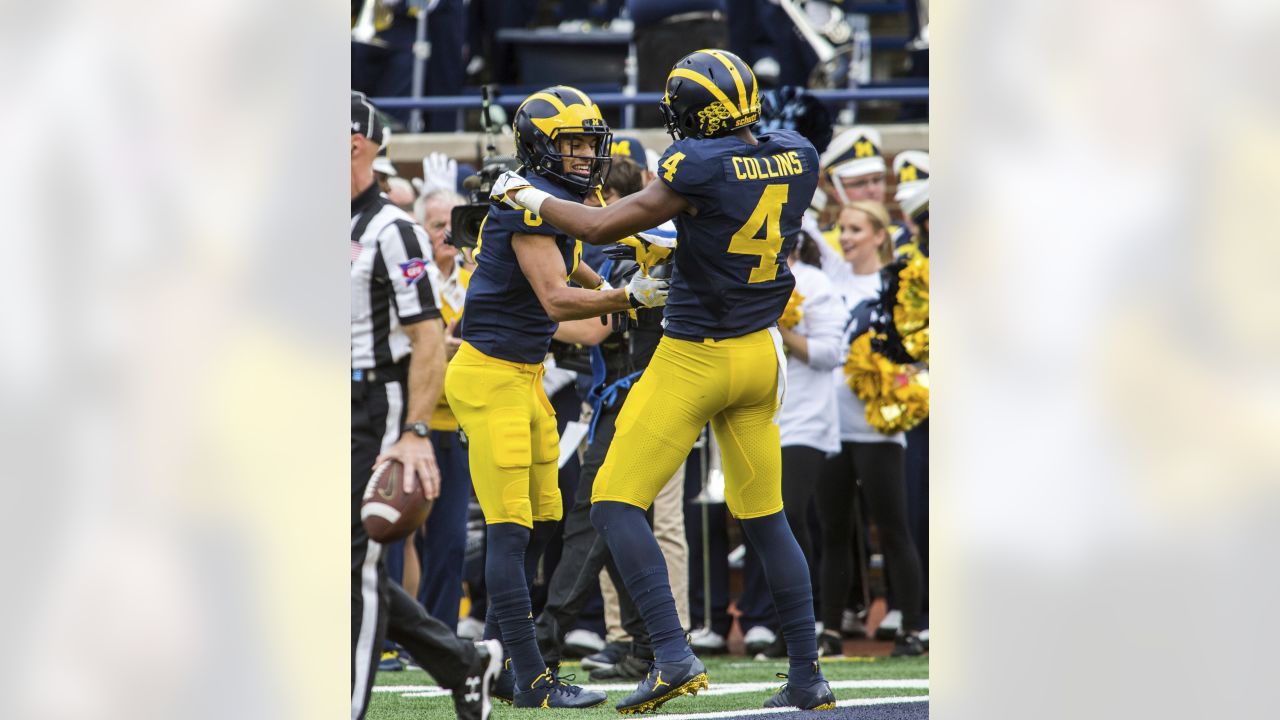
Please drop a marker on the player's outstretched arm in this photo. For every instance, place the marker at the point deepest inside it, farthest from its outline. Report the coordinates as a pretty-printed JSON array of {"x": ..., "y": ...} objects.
[
  {"x": 543, "y": 267},
  {"x": 652, "y": 206}
]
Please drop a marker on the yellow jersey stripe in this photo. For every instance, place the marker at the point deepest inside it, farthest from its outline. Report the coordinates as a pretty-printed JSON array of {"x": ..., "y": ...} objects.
[
  {"x": 711, "y": 88},
  {"x": 737, "y": 77}
]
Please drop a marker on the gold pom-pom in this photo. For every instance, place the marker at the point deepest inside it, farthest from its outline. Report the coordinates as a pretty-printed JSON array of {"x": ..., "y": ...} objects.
[
  {"x": 911, "y": 309},
  {"x": 792, "y": 313},
  {"x": 896, "y": 396}
]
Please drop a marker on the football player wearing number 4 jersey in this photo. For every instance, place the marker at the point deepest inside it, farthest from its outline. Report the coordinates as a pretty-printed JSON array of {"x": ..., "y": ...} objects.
[{"x": 737, "y": 200}]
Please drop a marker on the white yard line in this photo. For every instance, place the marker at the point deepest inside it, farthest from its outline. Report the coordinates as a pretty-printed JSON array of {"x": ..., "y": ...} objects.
[
  {"x": 770, "y": 711},
  {"x": 425, "y": 691}
]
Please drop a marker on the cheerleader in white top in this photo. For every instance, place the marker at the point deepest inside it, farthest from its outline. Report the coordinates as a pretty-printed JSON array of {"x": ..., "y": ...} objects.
[{"x": 868, "y": 459}]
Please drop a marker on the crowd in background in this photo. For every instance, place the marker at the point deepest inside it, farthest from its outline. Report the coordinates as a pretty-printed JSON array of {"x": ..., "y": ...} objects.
[
  {"x": 855, "y": 467},
  {"x": 466, "y": 50}
]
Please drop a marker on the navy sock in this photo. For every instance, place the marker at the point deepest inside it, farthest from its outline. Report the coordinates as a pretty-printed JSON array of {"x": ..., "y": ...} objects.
[
  {"x": 644, "y": 572},
  {"x": 509, "y": 602},
  {"x": 788, "y": 574},
  {"x": 543, "y": 533}
]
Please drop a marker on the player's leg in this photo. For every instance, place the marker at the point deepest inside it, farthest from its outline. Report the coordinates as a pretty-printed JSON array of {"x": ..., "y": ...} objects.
[
  {"x": 544, "y": 476},
  {"x": 751, "y": 455},
  {"x": 491, "y": 402},
  {"x": 659, "y": 422}
]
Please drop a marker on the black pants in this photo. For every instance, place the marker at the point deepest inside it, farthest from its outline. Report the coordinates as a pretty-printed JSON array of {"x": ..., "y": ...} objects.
[
  {"x": 917, "y": 474},
  {"x": 582, "y": 556},
  {"x": 801, "y": 468},
  {"x": 876, "y": 469},
  {"x": 379, "y": 608}
]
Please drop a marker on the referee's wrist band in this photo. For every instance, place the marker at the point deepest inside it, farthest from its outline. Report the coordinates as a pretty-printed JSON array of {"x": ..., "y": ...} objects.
[{"x": 532, "y": 199}]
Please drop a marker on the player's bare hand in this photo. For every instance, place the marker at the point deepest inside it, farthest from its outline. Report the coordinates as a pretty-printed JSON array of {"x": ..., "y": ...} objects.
[
  {"x": 506, "y": 186},
  {"x": 419, "y": 460}
]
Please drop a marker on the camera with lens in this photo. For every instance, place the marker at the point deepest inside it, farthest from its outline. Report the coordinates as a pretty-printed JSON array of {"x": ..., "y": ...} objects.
[{"x": 465, "y": 219}]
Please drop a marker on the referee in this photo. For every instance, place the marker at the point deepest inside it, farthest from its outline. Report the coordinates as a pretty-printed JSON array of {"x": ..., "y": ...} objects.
[{"x": 393, "y": 312}]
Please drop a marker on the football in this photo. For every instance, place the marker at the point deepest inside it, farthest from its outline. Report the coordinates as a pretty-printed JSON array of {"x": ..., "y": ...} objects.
[{"x": 388, "y": 513}]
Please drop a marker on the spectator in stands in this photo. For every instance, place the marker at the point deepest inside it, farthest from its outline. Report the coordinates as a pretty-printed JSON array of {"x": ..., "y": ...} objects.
[
  {"x": 386, "y": 69},
  {"x": 811, "y": 329}
]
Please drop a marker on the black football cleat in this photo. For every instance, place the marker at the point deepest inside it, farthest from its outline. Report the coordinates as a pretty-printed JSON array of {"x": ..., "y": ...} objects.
[
  {"x": 664, "y": 682},
  {"x": 549, "y": 691},
  {"x": 504, "y": 687},
  {"x": 473, "y": 700},
  {"x": 817, "y": 696},
  {"x": 629, "y": 667}
]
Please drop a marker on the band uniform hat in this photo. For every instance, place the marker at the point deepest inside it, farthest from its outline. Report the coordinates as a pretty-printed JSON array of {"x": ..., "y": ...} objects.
[
  {"x": 365, "y": 120},
  {"x": 853, "y": 153},
  {"x": 911, "y": 166},
  {"x": 914, "y": 200}
]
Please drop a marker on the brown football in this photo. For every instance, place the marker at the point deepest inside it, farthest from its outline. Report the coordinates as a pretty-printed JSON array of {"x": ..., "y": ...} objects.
[{"x": 388, "y": 513}]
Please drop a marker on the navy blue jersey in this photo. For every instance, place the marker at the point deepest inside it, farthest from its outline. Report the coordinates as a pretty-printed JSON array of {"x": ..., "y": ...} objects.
[
  {"x": 731, "y": 276},
  {"x": 503, "y": 317}
]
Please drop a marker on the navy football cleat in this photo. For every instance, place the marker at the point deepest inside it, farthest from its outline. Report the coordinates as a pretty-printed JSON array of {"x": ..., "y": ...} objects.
[
  {"x": 817, "y": 696},
  {"x": 664, "y": 682},
  {"x": 549, "y": 691}
]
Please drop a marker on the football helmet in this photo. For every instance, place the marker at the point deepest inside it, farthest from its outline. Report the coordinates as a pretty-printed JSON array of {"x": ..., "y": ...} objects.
[
  {"x": 709, "y": 94},
  {"x": 550, "y": 115}
]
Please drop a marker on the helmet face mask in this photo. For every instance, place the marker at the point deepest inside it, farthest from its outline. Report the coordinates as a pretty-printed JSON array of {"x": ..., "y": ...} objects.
[
  {"x": 552, "y": 115},
  {"x": 710, "y": 94}
]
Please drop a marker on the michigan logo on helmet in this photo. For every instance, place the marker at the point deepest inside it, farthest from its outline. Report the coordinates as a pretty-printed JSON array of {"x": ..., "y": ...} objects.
[
  {"x": 709, "y": 94},
  {"x": 544, "y": 123}
]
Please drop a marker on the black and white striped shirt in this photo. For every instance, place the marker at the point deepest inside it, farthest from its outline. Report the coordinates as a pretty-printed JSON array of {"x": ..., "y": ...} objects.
[{"x": 390, "y": 287}]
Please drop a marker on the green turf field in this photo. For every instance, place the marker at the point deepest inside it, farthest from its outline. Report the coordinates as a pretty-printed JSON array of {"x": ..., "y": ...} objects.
[{"x": 393, "y": 699}]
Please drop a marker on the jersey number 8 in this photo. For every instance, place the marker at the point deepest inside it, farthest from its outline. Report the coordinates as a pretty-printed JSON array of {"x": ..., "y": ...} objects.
[{"x": 768, "y": 213}]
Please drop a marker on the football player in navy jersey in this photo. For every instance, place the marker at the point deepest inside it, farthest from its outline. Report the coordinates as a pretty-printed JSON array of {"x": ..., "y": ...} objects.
[
  {"x": 737, "y": 200},
  {"x": 517, "y": 296}
]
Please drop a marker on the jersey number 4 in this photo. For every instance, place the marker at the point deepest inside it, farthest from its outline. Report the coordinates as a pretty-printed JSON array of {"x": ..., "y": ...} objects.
[{"x": 766, "y": 216}]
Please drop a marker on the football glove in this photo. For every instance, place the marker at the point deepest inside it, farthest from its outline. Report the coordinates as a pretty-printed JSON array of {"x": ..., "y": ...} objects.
[
  {"x": 514, "y": 191},
  {"x": 644, "y": 291},
  {"x": 646, "y": 249}
]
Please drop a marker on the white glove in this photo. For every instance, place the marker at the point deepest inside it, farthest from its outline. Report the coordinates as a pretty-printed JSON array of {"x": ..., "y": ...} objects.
[
  {"x": 439, "y": 172},
  {"x": 506, "y": 182},
  {"x": 644, "y": 291}
]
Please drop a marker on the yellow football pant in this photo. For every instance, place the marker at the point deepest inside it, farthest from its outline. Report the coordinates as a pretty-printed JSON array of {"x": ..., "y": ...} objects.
[
  {"x": 737, "y": 385},
  {"x": 513, "y": 446}
]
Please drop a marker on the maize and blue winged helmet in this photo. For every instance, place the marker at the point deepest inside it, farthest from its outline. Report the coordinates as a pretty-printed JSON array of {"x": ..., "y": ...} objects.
[
  {"x": 710, "y": 94},
  {"x": 550, "y": 115}
]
